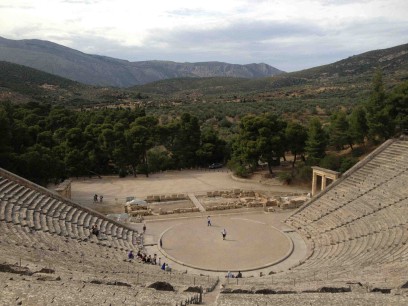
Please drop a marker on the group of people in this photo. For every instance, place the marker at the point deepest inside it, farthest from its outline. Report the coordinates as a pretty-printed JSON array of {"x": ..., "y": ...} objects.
[
  {"x": 95, "y": 198},
  {"x": 223, "y": 232},
  {"x": 148, "y": 259},
  {"x": 231, "y": 275}
]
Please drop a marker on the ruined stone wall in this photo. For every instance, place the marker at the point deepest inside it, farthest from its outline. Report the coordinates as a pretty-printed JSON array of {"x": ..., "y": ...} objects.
[{"x": 64, "y": 189}]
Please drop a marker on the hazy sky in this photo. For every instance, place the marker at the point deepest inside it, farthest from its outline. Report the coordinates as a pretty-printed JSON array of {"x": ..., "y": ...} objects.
[{"x": 287, "y": 34}]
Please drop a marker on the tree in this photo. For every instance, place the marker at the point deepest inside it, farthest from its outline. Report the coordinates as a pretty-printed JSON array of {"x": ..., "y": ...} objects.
[
  {"x": 212, "y": 148},
  {"x": 398, "y": 105},
  {"x": 380, "y": 125},
  {"x": 185, "y": 141},
  {"x": 296, "y": 136},
  {"x": 339, "y": 131},
  {"x": 260, "y": 138},
  {"x": 140, "y": 138},
  {"x": 316, "y": 142},
  {"x": 358, "y": 128}
]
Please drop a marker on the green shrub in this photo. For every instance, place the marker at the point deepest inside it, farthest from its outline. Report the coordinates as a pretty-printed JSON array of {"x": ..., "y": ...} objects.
[
  {"x": 241, "y": 171},
  {"x": 122, "y": 172},
  {"x": 357, "y": 152},
  {"x": 346, "y": 163},
  {"x": 285, "y": 177},
  {"x": 238, "y": 169},
  {"x": 331, "y": 162},
  {"x": 304, "y": 173}
]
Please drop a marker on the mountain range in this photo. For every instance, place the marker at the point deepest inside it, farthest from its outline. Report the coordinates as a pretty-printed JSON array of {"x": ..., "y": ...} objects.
[
  {"x": 346, "y": 81},
  {"x": 106, "y": 71}
]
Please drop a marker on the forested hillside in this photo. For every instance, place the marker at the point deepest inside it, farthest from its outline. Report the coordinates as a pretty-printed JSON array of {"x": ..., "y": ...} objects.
[{"x": 45, "y": 142}]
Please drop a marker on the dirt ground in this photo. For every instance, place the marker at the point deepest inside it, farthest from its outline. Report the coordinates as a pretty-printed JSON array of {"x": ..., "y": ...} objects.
[{"x": 115, "y": 189}]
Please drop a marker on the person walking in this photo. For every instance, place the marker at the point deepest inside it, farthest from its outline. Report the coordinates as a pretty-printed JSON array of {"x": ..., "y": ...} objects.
[
  {"x": 208, "y": 221},
  {"x": 224, "y": 234},
  {"x": 144, "y": 228}
]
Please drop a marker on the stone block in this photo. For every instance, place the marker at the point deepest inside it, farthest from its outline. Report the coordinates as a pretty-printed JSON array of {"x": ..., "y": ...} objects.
[
  {"x": 271, "y": 202},
  {"x": 250, "y": 193}
]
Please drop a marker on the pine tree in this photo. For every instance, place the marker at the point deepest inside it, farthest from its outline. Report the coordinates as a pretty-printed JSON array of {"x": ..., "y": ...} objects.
[
  {"x": 358, "y": 128},
  {"x": 316, "y": 142},
  {"x": 379, "y": 123}
]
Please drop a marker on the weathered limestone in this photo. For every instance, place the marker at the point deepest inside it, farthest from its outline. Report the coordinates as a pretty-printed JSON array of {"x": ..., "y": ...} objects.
[
  {"x": 324, "y": 174},
  {"x": 166, "y": 198},
  {"x": 64, "y": 189}
]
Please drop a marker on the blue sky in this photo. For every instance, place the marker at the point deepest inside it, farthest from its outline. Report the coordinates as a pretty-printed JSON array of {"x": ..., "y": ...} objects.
[{"x": 287, "y": 34}]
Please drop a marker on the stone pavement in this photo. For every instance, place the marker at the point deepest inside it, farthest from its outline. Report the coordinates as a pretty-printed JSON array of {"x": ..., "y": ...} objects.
[
  {"x": 255, "y": 243},
  {"x": 114, "y": 189},
  {"x": 195, "y": 201}
]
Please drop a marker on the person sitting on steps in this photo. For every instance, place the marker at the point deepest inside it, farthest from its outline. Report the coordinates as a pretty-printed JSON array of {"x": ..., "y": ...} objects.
[{"x": 95, "y": 230}]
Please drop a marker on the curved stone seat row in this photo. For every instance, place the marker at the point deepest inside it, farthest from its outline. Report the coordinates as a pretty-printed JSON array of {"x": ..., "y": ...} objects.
[
  {"x": 95, "y": 291},
  {"x": 361, "y": 222},
  {"x": 39, "y": 210},
  {"x": 84, "y": 257}
]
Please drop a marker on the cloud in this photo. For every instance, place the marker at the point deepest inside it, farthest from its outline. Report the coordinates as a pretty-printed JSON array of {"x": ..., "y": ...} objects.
[{"x": 288, "y": 34}]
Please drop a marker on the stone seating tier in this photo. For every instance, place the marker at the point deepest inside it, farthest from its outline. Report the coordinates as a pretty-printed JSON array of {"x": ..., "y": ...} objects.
[
  {"x": 49, "y": 214},
  {"x": 360, "y": 222}
]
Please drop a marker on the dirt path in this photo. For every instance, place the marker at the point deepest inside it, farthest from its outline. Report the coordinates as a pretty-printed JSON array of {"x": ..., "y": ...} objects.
[{"x": 115, "y": 190}]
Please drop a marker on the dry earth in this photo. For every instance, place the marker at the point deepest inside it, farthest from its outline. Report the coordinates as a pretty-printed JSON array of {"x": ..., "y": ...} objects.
[{"x": 115, "y": 190}]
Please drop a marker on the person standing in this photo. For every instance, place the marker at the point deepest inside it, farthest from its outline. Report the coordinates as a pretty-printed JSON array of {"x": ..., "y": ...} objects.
[
  {"x": 208, "y": 221},
  {"x": 144, "y": 228},
  {"x": 224, "y": 234}
]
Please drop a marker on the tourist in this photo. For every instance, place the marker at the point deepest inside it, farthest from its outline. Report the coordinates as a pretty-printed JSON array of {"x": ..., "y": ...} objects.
[
  {"x": 161, "y": 242},
  {"x": 144, "y": 228},
  {"x": 239, "y": 275},
  {"x": 154, "y": 260},
  {"x": 208, "y": 221},
  {"x": 159, "y": 262},
  {"x": 95, "y": 198},
  {"x": 130, "y": 255},
  {"x": 163, "y": 267},
  {"x": 224, "y": 234},
  {"x": 101, "y": 198},
  {"x": 94, "y": 230}
]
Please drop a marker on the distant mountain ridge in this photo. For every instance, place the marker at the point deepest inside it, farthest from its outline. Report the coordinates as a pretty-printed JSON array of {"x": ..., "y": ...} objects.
[
  {"x": 349, "y": 79},
  {"x": 106, "y": 71}
]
